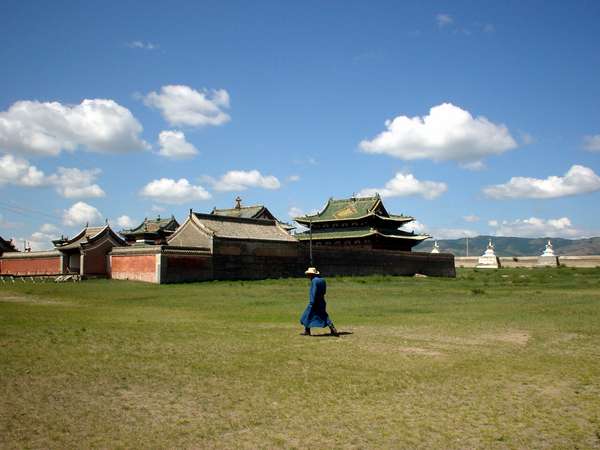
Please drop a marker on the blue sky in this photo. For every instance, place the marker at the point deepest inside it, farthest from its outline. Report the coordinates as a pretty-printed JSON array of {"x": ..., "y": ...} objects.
[{"x": 493, "y": 110}]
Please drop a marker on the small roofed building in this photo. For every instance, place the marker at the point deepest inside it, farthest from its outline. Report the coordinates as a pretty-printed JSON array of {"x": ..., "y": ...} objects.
[
  {"x": 151, "y": 231},
  {"x": 241, "y": 248},
  {"x": 249, "y": 212},
  {"x": 86, "y": 253},
  {"x": 361, "y": 223}
]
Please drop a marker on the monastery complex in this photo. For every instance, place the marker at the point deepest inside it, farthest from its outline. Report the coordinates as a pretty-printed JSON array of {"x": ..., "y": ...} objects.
[{"x": 355, "y": 236}]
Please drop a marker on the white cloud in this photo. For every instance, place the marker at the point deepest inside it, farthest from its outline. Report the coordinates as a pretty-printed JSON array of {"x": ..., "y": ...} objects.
[
  {"x": 173, "y": 145},
  {"x": 405, "y": 184},
  {"x": 471, "y": 218},
  {"x": 415, "y": 227},
  {"x": 42, "y": 239},
  {"x": 293, "y": 178},
  {"x": 578, "y": 180},
  {"x": 592, "y": 143},
  {"x": 98, "y": 125},
  {"x": 475, "y": 166},
  {"x": 294, "y": 212},
  {"x": 438, "y": 233},
  {"x": 444, "y": 20},
  {"x": 125, "y": 222},
  {"x": 240, "y": 180},
  {"x": 157, "y": 208},
  {"x": 182, "y": 105},
  {"x": 535, "y": 227},
  {"x": 76, "y": 183},
  {"x": 143, "y": 45},
  {"x": 169, "y": 191},
  {"x": 68, "y": 182},
  {"x": 81, "y": 214},
  {"x": 447, "y": 133},
  {"x": 19, "y": 172}
]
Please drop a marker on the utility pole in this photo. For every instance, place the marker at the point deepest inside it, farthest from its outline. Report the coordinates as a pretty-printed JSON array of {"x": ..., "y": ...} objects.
[{"x": 310, "y": 242}]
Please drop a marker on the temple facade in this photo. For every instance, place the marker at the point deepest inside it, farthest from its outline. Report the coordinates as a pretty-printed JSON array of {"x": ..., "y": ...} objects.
[
  {"x": 359, "y": 222},
  {"x": 151, "y": 231},
  {"x": 86, "y": 253}
]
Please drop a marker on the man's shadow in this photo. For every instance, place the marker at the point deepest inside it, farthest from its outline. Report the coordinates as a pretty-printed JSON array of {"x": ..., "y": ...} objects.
[{"x": 324, "y": 335}]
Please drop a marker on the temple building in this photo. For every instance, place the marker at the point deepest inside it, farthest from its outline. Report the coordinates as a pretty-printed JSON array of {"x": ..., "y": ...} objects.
[
  {"x": 359, "y": 222},
  {"x": 214, "y": 231},
  {"x": 151, "y": 231},
  {"x": 249, "y": 212}
]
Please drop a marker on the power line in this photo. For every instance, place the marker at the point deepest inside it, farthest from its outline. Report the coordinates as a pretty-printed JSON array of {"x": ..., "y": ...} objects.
[{"x": 25, "y": 211}]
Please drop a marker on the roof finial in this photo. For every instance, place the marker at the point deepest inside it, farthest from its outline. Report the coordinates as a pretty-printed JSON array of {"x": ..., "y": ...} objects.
[
  {"x": 106, "y": 221},
  {"x": 87, "y": 224},
  {"x": 190, "y": 212},
  {"x": 238, "y": 202}
]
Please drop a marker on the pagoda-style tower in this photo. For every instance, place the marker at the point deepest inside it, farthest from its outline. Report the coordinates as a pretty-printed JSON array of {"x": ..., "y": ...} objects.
[
  {"x": 359, "y": 222},
  {"x": 151, "y": 231}
]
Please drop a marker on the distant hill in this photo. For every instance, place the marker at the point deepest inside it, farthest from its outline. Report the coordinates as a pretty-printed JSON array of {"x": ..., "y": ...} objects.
[{"x": 514, "y": 246}]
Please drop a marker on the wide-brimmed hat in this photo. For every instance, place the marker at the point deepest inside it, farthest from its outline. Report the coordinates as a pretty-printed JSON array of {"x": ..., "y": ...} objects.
[{"x": 312, "y": 271}]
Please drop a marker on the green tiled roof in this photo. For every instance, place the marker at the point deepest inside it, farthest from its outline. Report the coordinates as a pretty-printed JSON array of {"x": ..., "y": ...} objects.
[
  {"x": 354, "y": 233},
  {"x": 352, "y": 209}
]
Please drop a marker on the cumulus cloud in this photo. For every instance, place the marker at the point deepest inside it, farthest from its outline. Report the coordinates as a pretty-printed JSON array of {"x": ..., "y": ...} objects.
[
  {"x": 414, "y": 227},
  {"x": 125, "y": 221},
  {"x": 42, "y": 239},
  {"x": 438, "y": 232},
  {"x": 81, "y": 214},
  {"x": 173, "y": 145},
  {"x": 446, "y": 133},
  {"x": 592, "y": 143},
  {"x": 182, "y": 105},
  {"x": 19, "y": 172},
  {"x": 68, "y": 182},
  {"x": 142, "y": 45},
  {"x": 578, "y": 180},
  {"x": 444, "y": 20},
  {"x": 166, "y": 190},
  {"x": 97, "y": 125},
  {"x": 240, "y": 180},
  {"x": 294, "y": 212},
  {"x": 405, "y": 184},
  {"x": 76, "y": 183},
  {"x": 471, "y": 218},
  {"x": 536, "y": 227}
]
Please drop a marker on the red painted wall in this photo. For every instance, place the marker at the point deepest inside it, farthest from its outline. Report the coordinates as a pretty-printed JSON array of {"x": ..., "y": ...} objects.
[
  {"x": 134, "y": 267},
  {"x": 31, "y": 266}
]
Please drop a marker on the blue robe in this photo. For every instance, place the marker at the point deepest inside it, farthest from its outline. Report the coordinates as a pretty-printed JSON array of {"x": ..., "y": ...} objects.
[{"x": 315, "y": 314}]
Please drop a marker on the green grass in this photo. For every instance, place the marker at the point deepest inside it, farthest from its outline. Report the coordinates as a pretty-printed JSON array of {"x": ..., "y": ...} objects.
[{"x": 498, "y": 359}]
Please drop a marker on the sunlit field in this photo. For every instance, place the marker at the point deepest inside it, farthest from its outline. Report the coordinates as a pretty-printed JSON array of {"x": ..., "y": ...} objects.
[{"x": 498, "y": 359}]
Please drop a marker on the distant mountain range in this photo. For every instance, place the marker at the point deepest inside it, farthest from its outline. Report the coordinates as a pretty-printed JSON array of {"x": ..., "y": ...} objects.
[{"x": 514, "y": 246}]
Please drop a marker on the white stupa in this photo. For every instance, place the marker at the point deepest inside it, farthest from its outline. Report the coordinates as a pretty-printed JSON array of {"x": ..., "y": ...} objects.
[
  {"x": 548, "y": 258},
  {"x": 436, "y": 247},
  {"x": 488, "y": 260}
]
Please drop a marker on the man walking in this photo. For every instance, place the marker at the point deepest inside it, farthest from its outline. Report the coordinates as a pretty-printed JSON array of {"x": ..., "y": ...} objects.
[{"x": 315, "y": 314}]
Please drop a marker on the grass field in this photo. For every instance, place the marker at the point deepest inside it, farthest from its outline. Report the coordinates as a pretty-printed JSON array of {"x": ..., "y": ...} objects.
[{"x": 499, "y": 359}]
